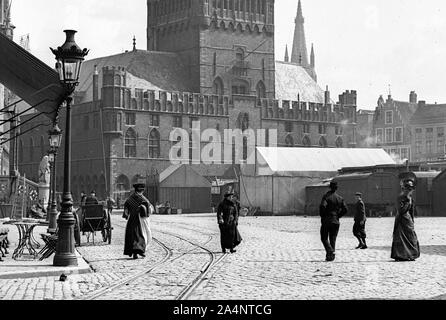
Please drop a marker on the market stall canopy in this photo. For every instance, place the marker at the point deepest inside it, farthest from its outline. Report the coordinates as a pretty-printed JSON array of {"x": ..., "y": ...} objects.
[
  {"x": 30, "y": 78},
  {"x": 295, "y": 161}
]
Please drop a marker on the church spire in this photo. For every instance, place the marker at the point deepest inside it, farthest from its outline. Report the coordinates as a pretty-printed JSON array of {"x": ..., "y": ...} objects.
[
  {"x": 312, "y": 58},
  {"x": 287, "y": 57},
  {"x": 299, "y": 54}
]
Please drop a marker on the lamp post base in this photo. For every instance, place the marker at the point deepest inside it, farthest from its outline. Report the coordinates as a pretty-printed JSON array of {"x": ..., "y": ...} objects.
[{"x": 65, "y": 251}]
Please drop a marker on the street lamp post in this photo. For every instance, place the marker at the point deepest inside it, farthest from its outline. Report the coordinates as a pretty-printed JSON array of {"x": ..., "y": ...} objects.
[
  {"x": 69, "y": 59},
  {"x": 55, "y": 139}
]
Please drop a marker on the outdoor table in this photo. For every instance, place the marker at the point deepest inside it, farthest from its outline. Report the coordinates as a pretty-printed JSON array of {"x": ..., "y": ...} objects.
[{"x": 26, "y": 239}]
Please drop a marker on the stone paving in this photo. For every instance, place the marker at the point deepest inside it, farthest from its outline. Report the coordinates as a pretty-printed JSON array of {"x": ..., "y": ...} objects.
[{"x": 280, "y": 258}]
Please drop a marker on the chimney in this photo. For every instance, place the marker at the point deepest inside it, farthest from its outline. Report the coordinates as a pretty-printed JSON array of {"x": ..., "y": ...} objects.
[
  {"x": 95, "y": 84},
  {"x": 421, "y": 103},
  {"x": 413, "y": 97}
]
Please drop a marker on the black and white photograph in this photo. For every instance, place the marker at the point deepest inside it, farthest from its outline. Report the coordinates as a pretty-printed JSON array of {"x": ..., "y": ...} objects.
[{"x": 222, "y": 155}]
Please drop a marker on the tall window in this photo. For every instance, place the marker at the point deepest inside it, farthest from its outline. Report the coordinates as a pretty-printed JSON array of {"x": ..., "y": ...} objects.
[
  {"x": 218, "y": 87},
  {"x": 389, "y": 117},
  {"x": 379, "y": 136},
  {"x": 398, "y": 134},
  {"x": 154, "y": 144},
  {"x": 95, "y": 121},
  {"x": 130, "y": 119},
  {"x": 429, "y": 147},
  {"x": 322, "y": 129},
  {"x": 338, "y": 130},
  {"x": 154, "y": 120},
  {"x": 130, "y": 143},
  {"x": 288, "y": 127},
  {"x": 260, "y": 90},
  {"x": 177, "y": 122},
  {"x": 404, "y": 153},
  {"x": 440, "y": 140},
  {"x": 389, "y": 135},
  {"x": 306, "y": 128},
  {"x": 418, "y": 147},
  {"x": 418, "y": 134},
  {"x": 429, "y": 140}
]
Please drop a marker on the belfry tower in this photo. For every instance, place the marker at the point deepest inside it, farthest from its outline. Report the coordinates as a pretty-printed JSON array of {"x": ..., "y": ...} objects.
[
  {"x": 299, "y": 54},
  {"x": 227, "y": 45},
  {"x": 6, "y": 27}
]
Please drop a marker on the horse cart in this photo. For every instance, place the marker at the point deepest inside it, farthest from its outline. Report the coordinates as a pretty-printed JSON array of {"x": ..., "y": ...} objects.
[{"x": 94, "y": 218}]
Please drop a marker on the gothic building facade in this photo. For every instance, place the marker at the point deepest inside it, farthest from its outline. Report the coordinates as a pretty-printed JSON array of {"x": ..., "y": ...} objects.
[{"x": 208, "y": 62}]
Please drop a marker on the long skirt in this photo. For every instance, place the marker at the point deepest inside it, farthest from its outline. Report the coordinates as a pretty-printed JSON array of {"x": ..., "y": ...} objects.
[
  {"x": 229, "y": 236},
  {"x": 405, "y": 245},
  {"x": 135, "y": 242},
  {"x": 146, "y": 231}
]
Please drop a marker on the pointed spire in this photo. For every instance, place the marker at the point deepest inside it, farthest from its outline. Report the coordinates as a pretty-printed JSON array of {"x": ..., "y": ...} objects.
[
  {"x": 299, "y": 54},
  {"x": 299, "y": 11},
  {"x": 287, "y": 57},
  {"x": 312, "y": 57},
  {"x": 134, "y": 43}
]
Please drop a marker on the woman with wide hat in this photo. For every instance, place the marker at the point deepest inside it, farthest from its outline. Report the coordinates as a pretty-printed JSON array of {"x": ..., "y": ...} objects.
[
  {"x": 405, "y": 245},
  {"x": 137, "y": 210},
  {"x": 227, "y": 215}
]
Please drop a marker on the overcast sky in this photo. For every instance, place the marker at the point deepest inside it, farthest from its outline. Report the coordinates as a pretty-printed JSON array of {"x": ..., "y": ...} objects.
[{"x": 360, "y": 45}]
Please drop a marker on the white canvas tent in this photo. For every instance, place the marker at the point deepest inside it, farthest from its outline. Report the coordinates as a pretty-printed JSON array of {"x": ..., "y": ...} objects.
[{"x": 277, "y": 184}]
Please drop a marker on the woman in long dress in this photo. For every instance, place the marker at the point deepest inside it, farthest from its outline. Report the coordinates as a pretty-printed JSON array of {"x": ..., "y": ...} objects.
[
  {"x": 405, "y": 245},
  {"x": 137, "y": 211},
  {"x": 228, "y": 216}
]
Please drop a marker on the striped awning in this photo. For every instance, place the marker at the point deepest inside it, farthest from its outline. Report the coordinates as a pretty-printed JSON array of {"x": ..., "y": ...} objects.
[{"x": 30, "y": 78}]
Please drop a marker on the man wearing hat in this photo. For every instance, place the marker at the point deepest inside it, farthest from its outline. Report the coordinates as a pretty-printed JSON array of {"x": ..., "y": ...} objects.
[
  {"x": 92, "y": 199},
  {"x": 360, "y": 219},
  {"x": 405, "y": 245},
  {"x": 137, "y": 210},
  {"x": 332, "y": 208},
  {"x": 227, "y": 215}
]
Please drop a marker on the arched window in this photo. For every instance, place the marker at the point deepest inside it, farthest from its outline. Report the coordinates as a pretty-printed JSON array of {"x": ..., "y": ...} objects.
[
  {"x": 306, "y": 141},
  {"x": 130, "y": 143},
  {"x": 339, "y": 143},
  {"x": 260, "y": 91},
  {"x": 323, "y": 142},
  {"x": 289, "y": 141},
  {"x": 134, "y": 104},
  {"x": 218, "y": 87},
  {"x": 154, "y": 144}
]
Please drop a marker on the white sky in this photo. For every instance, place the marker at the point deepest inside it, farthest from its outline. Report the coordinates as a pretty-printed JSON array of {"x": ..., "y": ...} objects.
[{"x": 360, "y": 45}]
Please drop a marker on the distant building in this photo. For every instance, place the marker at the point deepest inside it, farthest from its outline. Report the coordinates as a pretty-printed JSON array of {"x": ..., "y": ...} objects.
[
  {"x": 391, "y": 126},
  {"x": 428, "y": 132},
  {"x": 364, "y": 129},
  {"x": 207, "y": 61}
]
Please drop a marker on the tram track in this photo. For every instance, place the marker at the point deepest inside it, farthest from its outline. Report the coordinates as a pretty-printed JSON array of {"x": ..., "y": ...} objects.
[{"x": 168, "y": 258}]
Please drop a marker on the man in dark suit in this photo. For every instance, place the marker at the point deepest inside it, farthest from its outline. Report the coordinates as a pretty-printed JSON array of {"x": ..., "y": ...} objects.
[
  {"x": 91, "y": 200},
  {"x": 360, "y": 219},
  {"x": 331, "y": 209}
]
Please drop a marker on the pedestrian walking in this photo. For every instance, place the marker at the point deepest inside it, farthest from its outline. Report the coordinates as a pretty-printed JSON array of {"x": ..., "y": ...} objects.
[
  {"x": 137, "y": 211},
  {"x": 83, "y": 198},
  {"x": 331, "y": 209},
  {"x": 360, "y": 220},
  {"x": 228, "y": 215},
  {"x": 110, "y": 204},
  {"x": 405, "y": 245}
]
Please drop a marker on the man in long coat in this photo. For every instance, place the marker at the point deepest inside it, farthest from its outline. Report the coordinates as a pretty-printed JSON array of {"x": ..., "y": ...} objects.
[
  {"x": 332, "y": 208},
  {"x": 360, "y": 219},
  {"x": 137, "y": 210},
  {"x": 227, "y": 216}
]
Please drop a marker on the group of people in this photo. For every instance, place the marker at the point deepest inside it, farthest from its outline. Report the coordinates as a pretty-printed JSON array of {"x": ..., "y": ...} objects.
[
  {"x": 405, "y": 245},
  {"x": 138, "y": 235}
]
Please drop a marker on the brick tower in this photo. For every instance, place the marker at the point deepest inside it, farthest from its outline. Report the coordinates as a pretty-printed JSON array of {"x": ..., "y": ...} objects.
[{"x": 228, "y": 45}]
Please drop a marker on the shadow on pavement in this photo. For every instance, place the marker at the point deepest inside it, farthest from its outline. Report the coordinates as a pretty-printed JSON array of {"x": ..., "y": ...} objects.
[{"x": 438, "y": 250}]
